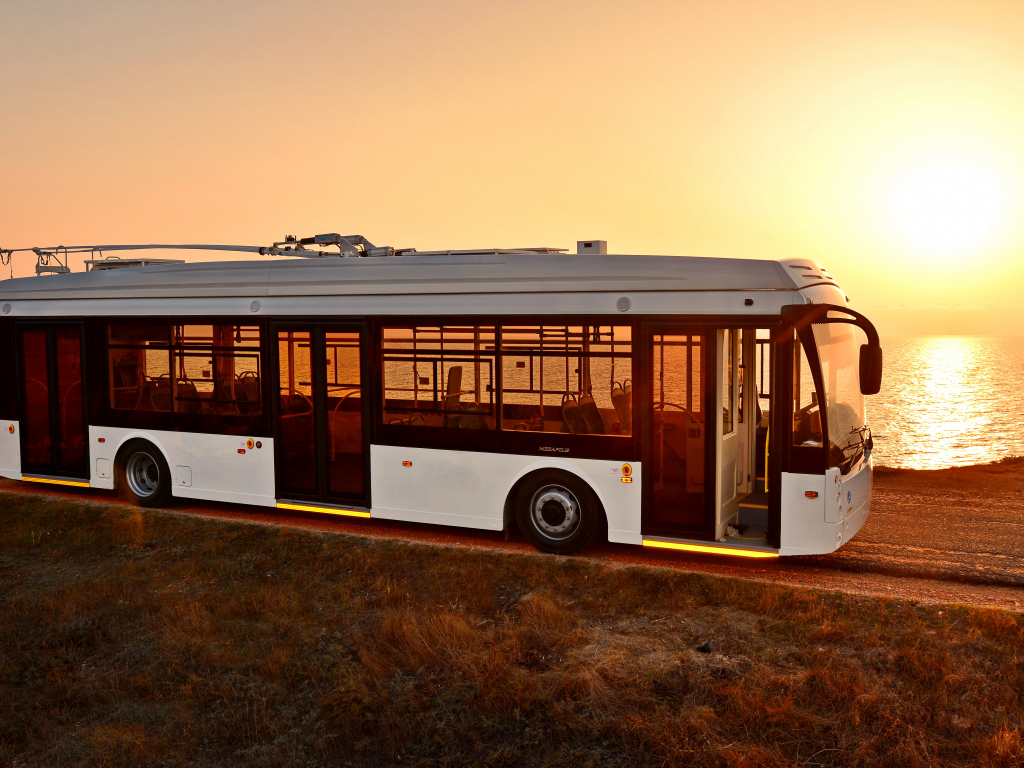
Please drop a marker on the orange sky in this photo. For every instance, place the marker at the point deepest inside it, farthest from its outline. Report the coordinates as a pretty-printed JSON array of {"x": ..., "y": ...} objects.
[{"x": 880, "y": 138}]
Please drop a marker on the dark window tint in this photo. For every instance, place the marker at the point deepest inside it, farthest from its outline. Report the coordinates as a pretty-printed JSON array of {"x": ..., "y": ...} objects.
[
  {"x": 36, "y": 383},
  {"x": 344, "y": 414},
  {"x": 70, "y": 404},
  {"x": 8, "y": 388},
  {"x": 297, "y": 458}
]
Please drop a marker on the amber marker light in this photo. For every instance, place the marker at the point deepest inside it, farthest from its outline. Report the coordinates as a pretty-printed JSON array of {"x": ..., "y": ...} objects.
[
  {"x": 406, "y": 463},
  {"x": 322, "y": 510},
  {"x": 241, "y": 450},
  {"x": 626, "y": 479},
  {"x": 626, "y": 470},
  {"x": 811, "y": 494},
  {"x": 249, "y": 443},
  {"x": 10, "y": 428},
  {"x": 708, "y": 550}
]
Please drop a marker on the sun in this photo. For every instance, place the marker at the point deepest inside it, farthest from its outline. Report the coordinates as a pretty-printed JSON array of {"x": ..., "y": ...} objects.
[{"x": 946, "y": 207}]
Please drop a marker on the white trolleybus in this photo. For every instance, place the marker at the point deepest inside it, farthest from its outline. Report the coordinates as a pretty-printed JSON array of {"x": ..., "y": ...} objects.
[{"x": 698, "y": 404}]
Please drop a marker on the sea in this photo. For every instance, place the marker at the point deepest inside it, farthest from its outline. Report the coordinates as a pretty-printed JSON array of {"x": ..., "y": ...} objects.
[{"x": 948, "y": 401}]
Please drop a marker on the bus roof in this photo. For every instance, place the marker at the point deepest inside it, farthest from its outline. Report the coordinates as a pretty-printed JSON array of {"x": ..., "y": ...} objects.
[{"x": 462, "y": 283}]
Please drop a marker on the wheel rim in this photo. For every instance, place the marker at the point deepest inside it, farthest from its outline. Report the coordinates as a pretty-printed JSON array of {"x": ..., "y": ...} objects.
[
  {"x": 143, "y": 474},
  {"x": 555, "y": 512}
]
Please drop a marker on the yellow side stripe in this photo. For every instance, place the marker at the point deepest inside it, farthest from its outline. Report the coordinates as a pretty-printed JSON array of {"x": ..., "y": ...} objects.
[
  {"x": 324, "y": 510},
  {"x": 73, "y": 483},
  {"x": 708, "y": 550},
  {"x": 754, "y": 506}
]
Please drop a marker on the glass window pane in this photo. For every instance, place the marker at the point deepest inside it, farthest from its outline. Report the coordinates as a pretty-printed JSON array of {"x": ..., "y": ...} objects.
[
  {"x": 574, "y": 379},
  {"x": 728, "y": 386},
  {"x": 138, "y": 333},
  {"x": 139, "y": 367},
  {"x": 344, "y": 414},
  {"x": 71, "y": 413},
  {"x": 839, "y": 352},
  {"x": 678, "y": 434},
  {"x": 806, "y": 415},
  {"x": 439, "y": 376},
  {"x": 37, "y": 398},
  {"x": 297, "y": 430}
]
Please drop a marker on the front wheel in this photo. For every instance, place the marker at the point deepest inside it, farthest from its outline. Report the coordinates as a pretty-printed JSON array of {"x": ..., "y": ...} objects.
[
  {"x": 143, "y": 477},
  {"x": 557, "y": 512}
]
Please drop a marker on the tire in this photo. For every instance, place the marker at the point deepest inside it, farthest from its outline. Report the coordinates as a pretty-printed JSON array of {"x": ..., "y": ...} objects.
[
  {"x": 143, "y": 477},
  {"x": 557, "y": 512}
]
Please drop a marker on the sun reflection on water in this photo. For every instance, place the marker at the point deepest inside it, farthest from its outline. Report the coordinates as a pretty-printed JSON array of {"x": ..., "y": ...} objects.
[{"x": 949, "y": 401}]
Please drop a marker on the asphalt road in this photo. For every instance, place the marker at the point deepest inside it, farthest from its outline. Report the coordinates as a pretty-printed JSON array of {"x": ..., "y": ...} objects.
[{"x": 941, "y": 536}]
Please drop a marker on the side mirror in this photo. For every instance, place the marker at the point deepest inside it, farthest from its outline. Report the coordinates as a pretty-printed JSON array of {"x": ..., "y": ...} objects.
[{"x": 870, "y": 369}]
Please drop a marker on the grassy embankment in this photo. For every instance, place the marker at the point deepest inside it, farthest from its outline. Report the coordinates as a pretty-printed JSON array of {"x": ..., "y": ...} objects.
[{"x": 130, "y": 637}]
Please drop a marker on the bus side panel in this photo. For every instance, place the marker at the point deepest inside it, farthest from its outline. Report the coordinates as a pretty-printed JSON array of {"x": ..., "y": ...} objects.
[
  {"x": 468, "y": 489},
  {"x": 857, "y": 491},
  {"x": 211, "y": 467},
  {"x": 10, "y": 450},
  {"x": 803, "y": 528}
]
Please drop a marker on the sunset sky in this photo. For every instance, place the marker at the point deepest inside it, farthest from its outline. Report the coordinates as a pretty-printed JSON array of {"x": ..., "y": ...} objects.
[{"x": 883, "y": 139}]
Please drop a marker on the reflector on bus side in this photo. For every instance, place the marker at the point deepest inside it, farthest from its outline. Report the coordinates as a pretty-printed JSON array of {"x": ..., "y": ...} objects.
[
  {"x": 323, "y": 510},
  {"x": 706, "y": 549},
  {"x": 54, "y": 481}
]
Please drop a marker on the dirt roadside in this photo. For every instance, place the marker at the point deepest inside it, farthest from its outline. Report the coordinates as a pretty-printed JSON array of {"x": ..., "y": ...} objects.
[{"x": 933, "y": 536}]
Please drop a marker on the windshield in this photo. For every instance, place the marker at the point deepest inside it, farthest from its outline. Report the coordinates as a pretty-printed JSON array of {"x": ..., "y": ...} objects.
[{"x": 838, "y": 350}]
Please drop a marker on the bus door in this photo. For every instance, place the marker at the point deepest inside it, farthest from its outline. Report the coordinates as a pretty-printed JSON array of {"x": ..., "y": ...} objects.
[
  {"x": 321, "y": 413},
  {"x": 678, "y": 435},
  {"x": 54, "y": 438}
]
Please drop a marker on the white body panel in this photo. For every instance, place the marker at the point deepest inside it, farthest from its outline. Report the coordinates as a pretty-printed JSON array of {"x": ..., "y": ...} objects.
[
  {"x": 216, "y": 471},
  {"x": 823, "y": 524},
  {"x": 10, "y": 450},
  {"x": 468, "y": 489}
]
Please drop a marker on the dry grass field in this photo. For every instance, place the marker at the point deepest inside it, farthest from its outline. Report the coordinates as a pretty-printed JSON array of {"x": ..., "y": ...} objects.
[{"x": 130, "y": 637}]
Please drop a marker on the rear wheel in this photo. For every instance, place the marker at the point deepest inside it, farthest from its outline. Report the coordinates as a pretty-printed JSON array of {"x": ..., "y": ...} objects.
[
  {"x": 557, "y": 512},
  {"x": 143, "y": 477}
]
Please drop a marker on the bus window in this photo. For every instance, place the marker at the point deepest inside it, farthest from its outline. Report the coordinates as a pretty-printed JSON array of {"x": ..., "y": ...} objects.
[
  {"x": 762, "y": 374},
  {"x": 139, "y": 366},
  {"x": 838, "y": 350},
  {"x": 344, "y": 412},
  {"x": 296, "y": 416},
  {"x": 728, "y": 383},
  {"x": 575, "y": 379},
  {"x": 208, "y": 369},
  {"x": 439, "y": 376},
  {"x": 806, "y": 414},
  {"x": 217, "y": 369}
]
